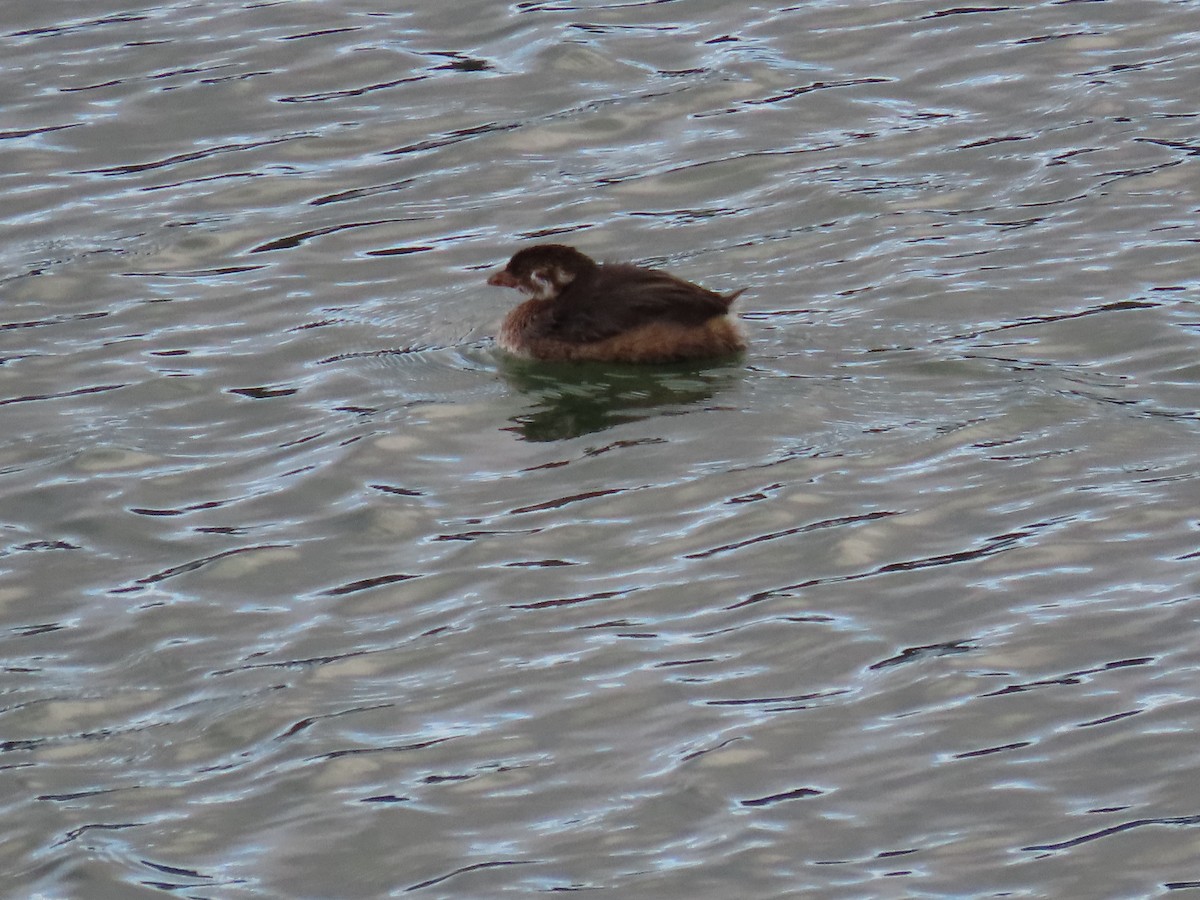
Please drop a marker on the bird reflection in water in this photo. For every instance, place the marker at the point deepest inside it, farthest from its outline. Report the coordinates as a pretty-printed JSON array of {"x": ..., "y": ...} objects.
[{"x": 572, "y": 399}]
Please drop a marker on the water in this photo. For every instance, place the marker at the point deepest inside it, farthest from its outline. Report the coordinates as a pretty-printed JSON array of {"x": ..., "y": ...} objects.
[{"x": 308, "y": 592}]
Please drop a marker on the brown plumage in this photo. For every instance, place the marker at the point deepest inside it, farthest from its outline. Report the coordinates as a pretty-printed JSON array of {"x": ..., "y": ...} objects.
[{"x": 583, "y": 310}]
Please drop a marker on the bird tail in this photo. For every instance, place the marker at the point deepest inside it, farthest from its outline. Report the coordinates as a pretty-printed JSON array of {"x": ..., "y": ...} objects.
[{"x": 733, "y": 295}]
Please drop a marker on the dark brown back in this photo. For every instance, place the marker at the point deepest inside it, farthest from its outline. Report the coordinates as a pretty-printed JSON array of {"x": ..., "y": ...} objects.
[{"x": 618, "y": 297}]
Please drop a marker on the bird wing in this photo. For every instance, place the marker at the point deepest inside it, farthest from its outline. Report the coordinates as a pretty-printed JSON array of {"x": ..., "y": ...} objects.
[{"x": 623, "y": 297}]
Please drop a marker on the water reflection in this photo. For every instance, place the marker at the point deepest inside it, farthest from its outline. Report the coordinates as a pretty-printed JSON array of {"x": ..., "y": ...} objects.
[{"x": 571, "y": 399}]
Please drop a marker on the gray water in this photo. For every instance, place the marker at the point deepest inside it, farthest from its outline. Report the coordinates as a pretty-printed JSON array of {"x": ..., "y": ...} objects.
[{"x": 309, "y": 592}]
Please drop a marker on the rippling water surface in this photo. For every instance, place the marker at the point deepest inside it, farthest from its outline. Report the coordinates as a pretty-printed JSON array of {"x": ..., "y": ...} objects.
[{"x": 309, "y": 592}]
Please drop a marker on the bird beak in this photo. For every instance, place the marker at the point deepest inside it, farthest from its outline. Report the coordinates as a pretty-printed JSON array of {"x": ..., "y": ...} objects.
[{"x": 502, "y": 279}]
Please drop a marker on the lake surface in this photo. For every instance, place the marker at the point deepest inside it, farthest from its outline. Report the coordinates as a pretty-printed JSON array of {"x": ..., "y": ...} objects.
[{"x": 309, "y": 591}]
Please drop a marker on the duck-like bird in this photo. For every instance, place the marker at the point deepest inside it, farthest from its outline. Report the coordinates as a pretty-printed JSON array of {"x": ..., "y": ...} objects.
[{"x": 579, "y": 309}]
